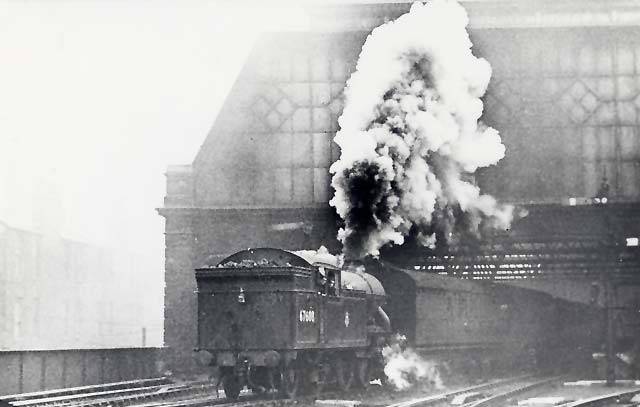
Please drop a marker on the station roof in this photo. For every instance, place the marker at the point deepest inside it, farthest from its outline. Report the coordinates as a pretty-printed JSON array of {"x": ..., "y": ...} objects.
[{"x": 483, "y": 14}]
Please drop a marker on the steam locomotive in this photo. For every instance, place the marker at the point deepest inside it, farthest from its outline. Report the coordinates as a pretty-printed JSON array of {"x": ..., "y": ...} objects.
[{"x": 271, "y": 320}]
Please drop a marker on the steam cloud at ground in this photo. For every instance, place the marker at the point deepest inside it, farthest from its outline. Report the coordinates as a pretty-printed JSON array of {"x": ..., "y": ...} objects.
[
  {"x": 404, "y": 367},
  {"x": 410, "y": 137}
]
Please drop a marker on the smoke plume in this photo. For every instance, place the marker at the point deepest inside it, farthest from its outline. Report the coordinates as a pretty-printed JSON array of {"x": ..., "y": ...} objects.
[
  {"x": 410, "y": 138},
  {"x": 404, "y": 367}
]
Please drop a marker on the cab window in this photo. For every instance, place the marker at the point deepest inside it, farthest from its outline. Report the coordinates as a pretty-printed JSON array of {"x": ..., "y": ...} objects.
[
  {"x": 327, "y": 282},
  {"x": 331, "y": 283}
]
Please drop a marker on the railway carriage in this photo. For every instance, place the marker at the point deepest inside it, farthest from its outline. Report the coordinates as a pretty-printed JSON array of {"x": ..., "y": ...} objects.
[{"x": 483, "y": 327}]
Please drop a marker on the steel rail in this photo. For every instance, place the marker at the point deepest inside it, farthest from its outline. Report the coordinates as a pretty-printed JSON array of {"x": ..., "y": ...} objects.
[
  {"x": 604, "y": 399},
  {"x": 437, "y": 398},
  {"x": 128, "y": 399},
  {"x": 201, "y": 401},
  {"x": 83, "y": 389},
  {"x": 187, "y": 393},
  {"x": 497, "y": 398},
  {"x": 80, "y": 396}
]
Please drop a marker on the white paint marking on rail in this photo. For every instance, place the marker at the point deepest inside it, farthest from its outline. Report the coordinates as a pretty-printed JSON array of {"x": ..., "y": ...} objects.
[
  {"x": 338, "y": 403},
  {"x": 542, "y": 401},
  {"x": 601, "y": 382},
  {"x": 465, "y": 398}
]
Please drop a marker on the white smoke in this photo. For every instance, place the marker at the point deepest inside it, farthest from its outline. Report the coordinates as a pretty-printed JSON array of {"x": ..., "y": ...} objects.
[
  {"x": 410, "y": 137},
  {"x": 321, "y": 255},
  {"x": 405, "y": 368}
]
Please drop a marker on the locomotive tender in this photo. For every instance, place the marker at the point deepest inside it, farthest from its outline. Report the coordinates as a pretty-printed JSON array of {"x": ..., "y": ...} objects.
[{"x": 269, "y": 319}]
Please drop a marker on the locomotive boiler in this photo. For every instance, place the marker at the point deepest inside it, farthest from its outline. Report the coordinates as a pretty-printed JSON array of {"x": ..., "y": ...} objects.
[{"x": 269, "y": 319}]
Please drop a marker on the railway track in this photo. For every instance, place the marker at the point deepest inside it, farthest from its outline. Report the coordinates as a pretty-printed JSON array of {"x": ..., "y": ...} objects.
[
  {"x": 132, "y": 384},
  {"x": 619, "y": 398},
  {"x": 506, "y": 394},
  {"x": 483, "y": 395},
  {"x": 503, "y": 393},
  {"x": 153, "y": 391},
  {"x": 160, "y": 392}
]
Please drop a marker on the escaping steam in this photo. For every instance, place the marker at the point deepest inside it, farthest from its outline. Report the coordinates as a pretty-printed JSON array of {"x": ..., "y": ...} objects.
[
  {"x": 404, "y": 367},
  {"x": 410, "y": 138},
  {"x": 321, "y": 255}
]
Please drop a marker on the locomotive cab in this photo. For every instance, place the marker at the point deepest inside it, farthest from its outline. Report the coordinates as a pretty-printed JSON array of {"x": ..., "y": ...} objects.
[{"x": 327, "y": 279}]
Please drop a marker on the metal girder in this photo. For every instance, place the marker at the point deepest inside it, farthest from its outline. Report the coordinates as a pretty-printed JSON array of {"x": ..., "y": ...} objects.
[{"x": 539, "y": 258}]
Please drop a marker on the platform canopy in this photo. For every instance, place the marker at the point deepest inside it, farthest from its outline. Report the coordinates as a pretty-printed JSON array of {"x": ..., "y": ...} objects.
[{"x": 552, "y": 242}]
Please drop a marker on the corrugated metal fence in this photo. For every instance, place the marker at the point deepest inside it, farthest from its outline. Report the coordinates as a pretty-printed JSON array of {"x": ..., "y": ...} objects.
[{"x": 28, "y": 371}]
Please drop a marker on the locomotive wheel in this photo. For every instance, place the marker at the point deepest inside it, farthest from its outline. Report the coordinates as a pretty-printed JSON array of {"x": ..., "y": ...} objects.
[
  {"x": 316, "y": 378},
  {"x": 259, "y": 380},
  {"x": 376, "y": 370},
  {"x": 290, "y": 381},
  {"x": 231, "y": 386},
  {"x": 344, "y": 375},
  {"x": 362, "y": 373}
]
